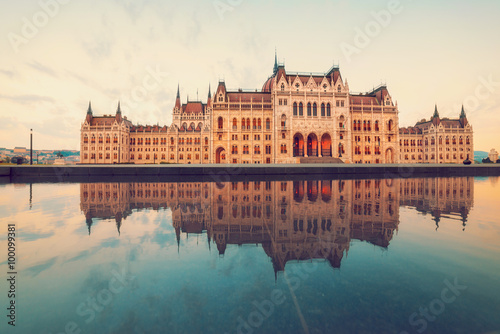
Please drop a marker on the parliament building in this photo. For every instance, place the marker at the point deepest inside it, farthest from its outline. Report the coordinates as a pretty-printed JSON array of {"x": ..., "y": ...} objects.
[{"x": 293, "y": 118}]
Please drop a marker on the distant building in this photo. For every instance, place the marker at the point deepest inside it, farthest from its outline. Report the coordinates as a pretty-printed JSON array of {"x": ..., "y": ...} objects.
[
  {"x": 20, "y": 150},
  {"x": 438, "y": 140},
  {"x": 493, "y": 155}
]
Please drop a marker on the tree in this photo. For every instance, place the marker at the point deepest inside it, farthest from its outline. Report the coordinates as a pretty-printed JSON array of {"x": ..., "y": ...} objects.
[
  {"x": 6, "y": 160},
  {"x": 487, "y": 160},
  {"x": 498, "y": 161},
  {"x": 59, "y": 155}
]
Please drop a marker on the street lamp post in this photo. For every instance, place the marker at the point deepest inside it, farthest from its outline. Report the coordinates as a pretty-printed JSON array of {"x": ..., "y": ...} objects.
[{"x": 31, "y": 146}]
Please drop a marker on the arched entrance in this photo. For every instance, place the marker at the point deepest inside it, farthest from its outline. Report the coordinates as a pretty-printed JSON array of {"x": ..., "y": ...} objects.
[
  {"x": 389, "y": 156},
  {"x": 326, "y": 145},
  {"x": 298, "y": 145},
  {"x": 312, "y": 145},
  {"x": 220, "y": 155}
]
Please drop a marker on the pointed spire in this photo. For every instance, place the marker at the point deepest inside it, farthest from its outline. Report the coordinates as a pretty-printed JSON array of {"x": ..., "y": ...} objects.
[
  {"x": 89, "y": 223},
  {"x": 209, "y": 100},
  {"x": 89, "y": 110},
  {"x": 118, "y": 110},
  {"x": 275, "y": 69},
  {"x": 436, "y": 114},
  {"x": 462, "y": 113},
  {"x": 178, "y": 99}
]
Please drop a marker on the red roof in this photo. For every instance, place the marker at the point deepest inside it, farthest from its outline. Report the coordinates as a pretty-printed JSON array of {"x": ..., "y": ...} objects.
[
  {"x": 364, "y": 99},
  {"x": 102, "y": 120},
  {"x": 193, "y": 107},
  {"x": 249, "y": 97}
]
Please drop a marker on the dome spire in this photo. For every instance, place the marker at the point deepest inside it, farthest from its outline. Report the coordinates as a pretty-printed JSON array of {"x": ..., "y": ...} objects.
[{"x": 275, "y": 69}]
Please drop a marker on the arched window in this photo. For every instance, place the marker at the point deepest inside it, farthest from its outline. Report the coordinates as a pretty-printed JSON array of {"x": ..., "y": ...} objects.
[
  {"x": 243, "y": 124},
  {"x": 328, "y": 110},
  {"x": 339, "y": 89},
  {"x": 295, "y": 109},
  {"x": 259, "y": 124},
  {"x": 268, "y": 124},
  {"x": 467, "y": 140},
  {"x": 309, "y": 109},
  {"x": 283, "y": 121},
  {"x": 301, "y": 109},
  {"x": 315, "y": 110},
  {"x": 85, "y": 139},
  {"x": 235, "y": 123},
  {"x": 220, "y": 122},
  {"x": 206, "y": 140},
  {"x": 108, "y": 139},
  {"x": 248, "y": 123},
  {"x": 322, "y": 110},
  {"x": 254, "y": 123},
  {"x": 282, "y": 87}
]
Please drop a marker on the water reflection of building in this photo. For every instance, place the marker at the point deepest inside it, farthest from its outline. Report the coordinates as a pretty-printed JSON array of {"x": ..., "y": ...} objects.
[
  {"x": 292, "y": 220},
  {"x": 441, "y": 197}
]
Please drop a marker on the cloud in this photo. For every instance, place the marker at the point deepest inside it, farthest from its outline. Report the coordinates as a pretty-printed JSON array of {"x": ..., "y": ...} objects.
[
  {"x": 27, "y": 99},
  {"x": 7, "y": 73},
  {"x": 41, "y": 68},
  {"x": 100, "y": 47},
  {"x": 35, "y": 270}
]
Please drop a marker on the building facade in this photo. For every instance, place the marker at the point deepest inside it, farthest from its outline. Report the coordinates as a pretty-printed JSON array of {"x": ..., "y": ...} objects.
[
  {"x": 493, "y": 155},
  {"x": 439, "y": 140},
  {"x": 293, "y": 118}
]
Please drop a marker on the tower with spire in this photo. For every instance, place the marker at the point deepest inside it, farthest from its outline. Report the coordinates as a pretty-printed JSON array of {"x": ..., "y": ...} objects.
[
  {"x": 89, "y": 116},
  {"x": 435, "y": 117},
  {"x": 463, "y": 117},
  {"x": 118, "y": 115}
]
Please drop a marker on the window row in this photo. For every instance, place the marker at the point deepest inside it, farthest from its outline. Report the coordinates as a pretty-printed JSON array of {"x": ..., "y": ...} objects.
[
  {"x": 100, "y": 139},
  {"x": 312, "y": 109},
  {"x": 246, "y": 149},
  {"x": 367, "y": 125}
]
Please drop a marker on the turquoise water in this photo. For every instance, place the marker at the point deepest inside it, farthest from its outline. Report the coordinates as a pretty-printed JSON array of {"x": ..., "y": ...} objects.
[{"x": 349, "y": 256}]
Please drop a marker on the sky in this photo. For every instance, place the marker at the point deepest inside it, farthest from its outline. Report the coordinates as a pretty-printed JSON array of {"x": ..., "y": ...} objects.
[{"x": 57, "y": 55}]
